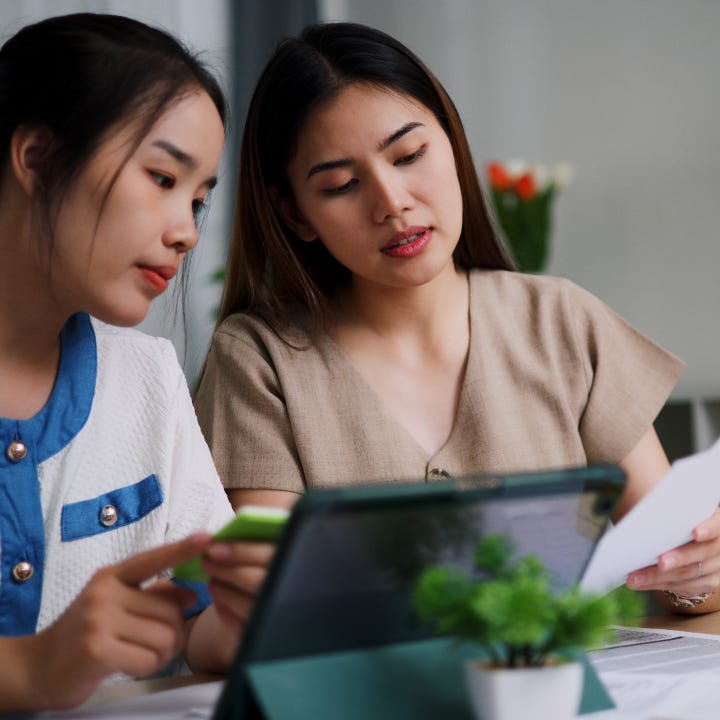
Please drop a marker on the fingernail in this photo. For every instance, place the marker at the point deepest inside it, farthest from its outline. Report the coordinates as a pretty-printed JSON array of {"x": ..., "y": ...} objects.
[
  {"x": 636, "y": 580},
  {"x": 218, "y": 551},
  {"x": 702, "y": 533},
  {"x": 668, "y": 563}
]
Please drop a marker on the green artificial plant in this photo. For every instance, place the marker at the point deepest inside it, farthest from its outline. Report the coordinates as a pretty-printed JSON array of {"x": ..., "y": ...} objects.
[{"x": 511, "y": 612}]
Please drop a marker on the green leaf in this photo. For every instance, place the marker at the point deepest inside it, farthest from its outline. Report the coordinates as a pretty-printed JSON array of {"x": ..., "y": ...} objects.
[{"x": 511, "y": 610}]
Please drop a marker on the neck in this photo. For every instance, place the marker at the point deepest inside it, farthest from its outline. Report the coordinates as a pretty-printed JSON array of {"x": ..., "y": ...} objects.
[
  {"x": 428, "y": 312},
  {"x": 30, "y": 317}
]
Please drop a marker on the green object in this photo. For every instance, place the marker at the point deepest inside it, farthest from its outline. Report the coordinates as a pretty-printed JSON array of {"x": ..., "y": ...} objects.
[
  {"x": 250, "y": 523},
  {"x": 509, "y": 610},
  {"x": 526, "y": 225},
  {"x": 404, "y": 681}
]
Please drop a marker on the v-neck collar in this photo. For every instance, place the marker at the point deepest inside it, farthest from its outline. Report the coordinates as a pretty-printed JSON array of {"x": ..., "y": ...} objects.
[{"x": 427, "y": 458}]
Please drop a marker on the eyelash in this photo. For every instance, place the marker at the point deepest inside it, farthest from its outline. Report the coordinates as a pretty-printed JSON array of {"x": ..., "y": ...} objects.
[
  {"x": 197, "y": 208},
  {"x": 410, "y": 159},
  {"x": 167, "y": 182},
  {"x": 405, "y": 160}
]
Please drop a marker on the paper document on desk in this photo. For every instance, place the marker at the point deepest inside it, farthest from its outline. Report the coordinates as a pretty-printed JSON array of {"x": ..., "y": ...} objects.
[
  {"x": 660, "y": 674},
  {"x": 662, "y": 520}
]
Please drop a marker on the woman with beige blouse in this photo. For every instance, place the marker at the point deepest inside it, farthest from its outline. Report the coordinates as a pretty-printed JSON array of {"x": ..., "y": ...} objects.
[{"x": 372, "y": 329}]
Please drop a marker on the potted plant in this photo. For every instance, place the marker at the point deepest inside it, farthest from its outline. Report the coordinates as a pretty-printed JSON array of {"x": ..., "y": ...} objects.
[{"x": 528, "y": 634}]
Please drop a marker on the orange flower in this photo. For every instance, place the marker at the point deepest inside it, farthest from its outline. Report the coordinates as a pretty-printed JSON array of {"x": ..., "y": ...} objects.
[
  {"x": 525, "y": 186},
  {"x": 498, "y": 177}
]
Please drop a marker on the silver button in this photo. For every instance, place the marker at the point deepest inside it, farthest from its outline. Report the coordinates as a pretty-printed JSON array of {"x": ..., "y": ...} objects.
[
  {"x": 16, "y": 451},
  {"x": 108, "y": 515},
  {"x": 23, "y": 571},
  {"x": 438, "y": 474}
]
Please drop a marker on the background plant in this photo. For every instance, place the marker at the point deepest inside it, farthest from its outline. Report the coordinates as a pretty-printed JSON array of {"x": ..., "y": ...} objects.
[
  {"x": 522, "y": 196},
  {"x": 511, "y": 612}
]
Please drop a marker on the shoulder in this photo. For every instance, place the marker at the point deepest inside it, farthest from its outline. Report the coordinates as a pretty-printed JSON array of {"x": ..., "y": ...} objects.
[
  {"x": 135, "y": 352},
  {"x": 521, "y": 299},
  {"x": 242, "y": 332},
  {"x": 516, "y": 287}
]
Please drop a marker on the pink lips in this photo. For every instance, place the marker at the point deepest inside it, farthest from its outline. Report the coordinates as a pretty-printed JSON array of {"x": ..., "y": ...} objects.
[
  {"x": 157, "y": 277},
  {"x": 408, "y": 243}
]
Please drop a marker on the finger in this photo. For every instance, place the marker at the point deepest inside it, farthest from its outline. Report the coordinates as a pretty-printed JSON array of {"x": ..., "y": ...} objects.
[
  {"x": 234, "y": 611},
  {"x": 708, "y": 529},
  {"x": 241, "y": 553},
  {"x": 228, "y": 599},
  {"x": 696, "y": 587},
  {"x": 181, "y": 596},
  {"x": 688, "y": 576},
  {"x": 244, "y": 578},
  {"x": 146, "y": 645},
  {"x": 145, "y": 565}
]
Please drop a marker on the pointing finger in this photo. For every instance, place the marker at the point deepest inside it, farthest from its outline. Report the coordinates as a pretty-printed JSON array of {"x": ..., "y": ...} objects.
[{"x": 145, "y": 565}]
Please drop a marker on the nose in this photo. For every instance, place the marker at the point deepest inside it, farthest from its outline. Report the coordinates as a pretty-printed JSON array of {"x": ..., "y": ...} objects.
[
  {"x": 390, "y": 196},
  {"x": 181, "y": 234}
]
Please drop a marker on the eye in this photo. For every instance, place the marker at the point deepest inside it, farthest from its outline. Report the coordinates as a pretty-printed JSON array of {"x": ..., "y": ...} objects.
[
  {"x": 167, "y": 182},
  {"x": 410, "y": 159},
  {"x": 342, "y": 189},
  {"x": 198, "y": 207}
]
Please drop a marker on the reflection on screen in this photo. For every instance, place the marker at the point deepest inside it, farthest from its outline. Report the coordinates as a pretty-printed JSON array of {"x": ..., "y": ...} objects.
[{"x": 345, "y": 579}]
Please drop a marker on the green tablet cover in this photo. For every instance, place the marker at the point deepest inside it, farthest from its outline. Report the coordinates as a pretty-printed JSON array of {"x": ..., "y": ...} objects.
[{"x": 406, "y": 681}]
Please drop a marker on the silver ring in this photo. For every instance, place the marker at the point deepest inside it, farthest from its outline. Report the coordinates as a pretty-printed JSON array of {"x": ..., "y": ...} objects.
[{"x": 699, "y": 570}]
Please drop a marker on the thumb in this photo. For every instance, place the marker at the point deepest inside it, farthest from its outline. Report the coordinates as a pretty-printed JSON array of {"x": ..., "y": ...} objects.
[{"x": 145, "y": 565}]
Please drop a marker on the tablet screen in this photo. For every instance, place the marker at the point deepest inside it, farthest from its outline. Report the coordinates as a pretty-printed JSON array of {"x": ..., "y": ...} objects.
[{"x": 347, "y": 563}]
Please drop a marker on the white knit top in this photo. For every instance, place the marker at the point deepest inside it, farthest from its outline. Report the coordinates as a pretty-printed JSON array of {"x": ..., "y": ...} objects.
[{"x": 118, "y": 431}]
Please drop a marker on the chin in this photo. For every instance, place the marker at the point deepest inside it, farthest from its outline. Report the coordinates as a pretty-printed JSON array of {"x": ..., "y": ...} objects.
[{"x": 125, "y": 317}]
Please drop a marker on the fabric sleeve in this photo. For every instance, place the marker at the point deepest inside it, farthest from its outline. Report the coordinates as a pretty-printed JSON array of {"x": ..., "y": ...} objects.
[
  {"x": 243, "y": 414},
  {"x": 629, "y": 377}
]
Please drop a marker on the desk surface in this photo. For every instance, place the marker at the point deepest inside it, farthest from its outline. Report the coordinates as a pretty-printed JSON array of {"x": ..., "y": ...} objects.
[
  {"x": 709, "y": 623},
  {"x": 126, "y": 690}
]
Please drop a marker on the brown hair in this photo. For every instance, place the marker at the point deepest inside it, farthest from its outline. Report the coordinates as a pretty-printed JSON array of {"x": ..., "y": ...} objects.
[{"x": 270, "y": 270}]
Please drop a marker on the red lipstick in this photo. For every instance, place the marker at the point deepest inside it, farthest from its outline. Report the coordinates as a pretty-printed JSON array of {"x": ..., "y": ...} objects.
[
  {"x": 407, "y": 243},
  {"x": 158, "y": 277}
]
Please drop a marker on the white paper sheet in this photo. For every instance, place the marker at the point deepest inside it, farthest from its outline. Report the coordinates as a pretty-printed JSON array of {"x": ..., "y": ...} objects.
[
  {"x": 192, "y": 702},
  {"x": 665, "y": 674},
  {"x": 662, "y": 520}
]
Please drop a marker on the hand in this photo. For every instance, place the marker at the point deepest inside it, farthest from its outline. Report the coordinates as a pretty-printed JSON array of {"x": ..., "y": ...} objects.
[
  {"x": 690, "y": 569},
  {"x": 116, "y": 624},
  {"x": 237, "y": 570}
]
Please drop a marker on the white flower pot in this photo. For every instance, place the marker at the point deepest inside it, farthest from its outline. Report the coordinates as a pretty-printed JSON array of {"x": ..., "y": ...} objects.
[{"x": 541, "y": 693}]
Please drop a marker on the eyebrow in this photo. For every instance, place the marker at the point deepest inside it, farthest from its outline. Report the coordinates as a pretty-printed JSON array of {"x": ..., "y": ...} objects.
[
  {"x": 382, "y": 145},
  {"x": 183, "y": 158}
]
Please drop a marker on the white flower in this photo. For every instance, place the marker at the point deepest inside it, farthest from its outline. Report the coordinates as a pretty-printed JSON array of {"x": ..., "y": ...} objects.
[
  {"x": 563, "y": 174},
  {"x": 516, "y": 168},
  {"x": 541, "y": 176}
]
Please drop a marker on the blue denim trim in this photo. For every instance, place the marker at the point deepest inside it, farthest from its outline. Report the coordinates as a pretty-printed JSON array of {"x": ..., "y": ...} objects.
[
  {"x": 22, "y": 526},
  {"x": 132, "y": 502},
  {"x": 204, "y": 598}
]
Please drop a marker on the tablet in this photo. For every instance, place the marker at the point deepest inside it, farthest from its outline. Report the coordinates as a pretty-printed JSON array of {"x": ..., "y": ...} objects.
[{"x": 347, "y": 560}]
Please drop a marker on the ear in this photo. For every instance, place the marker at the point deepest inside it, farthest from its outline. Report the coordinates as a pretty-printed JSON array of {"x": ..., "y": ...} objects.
[
  {"x": 29, "y": 149},
  {"x": 291, "y": 215}
]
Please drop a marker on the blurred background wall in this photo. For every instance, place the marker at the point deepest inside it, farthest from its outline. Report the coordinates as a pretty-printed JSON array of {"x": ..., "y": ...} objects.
[{"x": 626, "y": 90}]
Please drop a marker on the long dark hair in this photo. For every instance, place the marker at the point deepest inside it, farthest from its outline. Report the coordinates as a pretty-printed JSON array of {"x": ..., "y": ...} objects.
[
  {"x": 80, "y": 76},
  {"x": 269, "y": 268}
]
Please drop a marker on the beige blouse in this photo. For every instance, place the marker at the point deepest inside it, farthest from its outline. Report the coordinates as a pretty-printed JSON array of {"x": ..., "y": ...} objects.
[{"x": 554, "y": 379}]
